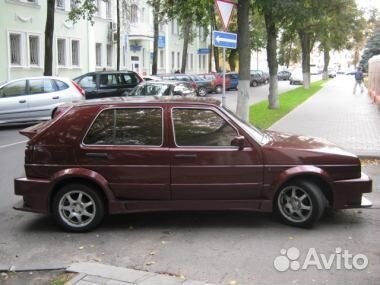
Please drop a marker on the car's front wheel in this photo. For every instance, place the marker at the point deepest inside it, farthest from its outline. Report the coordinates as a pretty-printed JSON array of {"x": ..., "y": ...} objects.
[
  {"x": 218, "y": 89},
  {"x": 78, "y": 208},
  {"x": 300, "y": 203},
  {"x": 202, "y": 91},
  {"x": 253, "y": 83}
]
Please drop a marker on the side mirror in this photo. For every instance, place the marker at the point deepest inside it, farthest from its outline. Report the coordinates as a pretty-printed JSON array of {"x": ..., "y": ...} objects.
[{"x": 238, "y": 141}]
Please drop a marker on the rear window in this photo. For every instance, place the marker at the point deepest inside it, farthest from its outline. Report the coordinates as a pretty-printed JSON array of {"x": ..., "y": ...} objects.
[
  {"x": 61, "y": 85},
  {"x": 127, "y": 126}
]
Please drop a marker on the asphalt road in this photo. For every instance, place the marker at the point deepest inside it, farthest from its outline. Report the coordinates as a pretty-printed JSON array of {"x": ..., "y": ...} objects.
[{"x": 220, "y": 247}]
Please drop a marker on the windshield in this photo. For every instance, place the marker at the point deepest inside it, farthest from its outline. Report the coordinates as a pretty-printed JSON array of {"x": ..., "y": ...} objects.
[
  {"x": 151, "y": 89},
  {"x": 254, "y": 132}
]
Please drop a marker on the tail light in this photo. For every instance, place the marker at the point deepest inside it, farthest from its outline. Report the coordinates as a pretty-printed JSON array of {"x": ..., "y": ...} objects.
[{"x": 80, "y": 89}]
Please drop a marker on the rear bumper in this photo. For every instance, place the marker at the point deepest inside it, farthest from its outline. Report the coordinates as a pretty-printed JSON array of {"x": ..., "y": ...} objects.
[
  {"x": 348, "y": 193},
  {"x": 35, "y": 193}
]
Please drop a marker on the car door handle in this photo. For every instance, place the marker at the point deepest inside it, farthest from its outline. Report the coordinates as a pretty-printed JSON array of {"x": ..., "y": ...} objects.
[
  {"x": 97, "y": 154},
  {"x": 22, "y": 101},
  {"x": 55, "y": 97},
  {"x": 181, "y": 155}
]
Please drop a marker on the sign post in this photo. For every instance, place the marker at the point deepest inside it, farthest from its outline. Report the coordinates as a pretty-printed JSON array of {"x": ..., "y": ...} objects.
[{"x": 224, "y": 40}]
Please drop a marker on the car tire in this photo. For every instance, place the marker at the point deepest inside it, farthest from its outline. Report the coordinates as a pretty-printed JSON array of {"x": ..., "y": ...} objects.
[
  {"x": 202, "y": 91},
  {"x": 266, "y": 81},
  {"x": 291, "y": 82},
  {"x": 219, "y": 89},
  {"x": 300, "y": 203},
  {"x": 78, "y": 208},
  {"x": 254, "y": 84}
]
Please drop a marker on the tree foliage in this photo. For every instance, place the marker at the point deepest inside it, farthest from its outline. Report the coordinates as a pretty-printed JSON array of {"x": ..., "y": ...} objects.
[{"x": 372, "y": 47}]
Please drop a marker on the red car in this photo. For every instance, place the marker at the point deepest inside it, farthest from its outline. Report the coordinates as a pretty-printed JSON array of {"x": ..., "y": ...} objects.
[
  {"x": 129, "y": 155},
  {"x": 216, "y": 81}
]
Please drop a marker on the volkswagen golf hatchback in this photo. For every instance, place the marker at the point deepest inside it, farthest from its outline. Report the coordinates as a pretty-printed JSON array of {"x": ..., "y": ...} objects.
[{"x": 133, "y": 154}]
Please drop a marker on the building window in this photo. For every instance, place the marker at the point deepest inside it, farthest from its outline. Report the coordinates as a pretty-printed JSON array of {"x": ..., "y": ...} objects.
[
  {"x": 142, "y": 15},
  {"x": 161, "y": 58},
  {"x": 60, "y": 4},
  {"x": 98, "y": 10},
  {"x": 143, "y": 57},
  {"x": 204, "y": 61},
  {"x": 74, "y": 4},
  {"x": 108, "y": 9},
  {"x": 173, "y": 27},
  {"x": 173, "y": 60},
  {"x": 61, "y": 48},
  {"x": 75, "y": 52},
  {"x": 192, "y": 61},
  {"x": 134, "y": 13},
  {"x": 199, "y": 61},
  {"x": 98, "y": 51},
  {"x": 124, "y": 50},
  {"x": 178, "y": 60},
  {"x": 109, "y": 55},
  {"x": 34, "y": 50},
  {"x": 15, "y": 48}
]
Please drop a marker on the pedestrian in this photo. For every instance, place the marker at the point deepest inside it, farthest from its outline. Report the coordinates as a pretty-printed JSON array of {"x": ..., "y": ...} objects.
[{"x": 358, "y": 80}]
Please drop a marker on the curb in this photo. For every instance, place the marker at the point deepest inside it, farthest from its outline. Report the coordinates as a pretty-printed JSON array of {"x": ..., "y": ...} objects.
[{"x": 95, "y": 273}]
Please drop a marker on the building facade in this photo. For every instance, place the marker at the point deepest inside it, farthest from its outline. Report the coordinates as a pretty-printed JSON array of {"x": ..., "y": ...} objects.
[{"x": 83, "y": 47}]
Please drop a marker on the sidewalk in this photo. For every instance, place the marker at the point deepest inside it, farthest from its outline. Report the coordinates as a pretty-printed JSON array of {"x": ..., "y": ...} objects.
[
  {"x": 100, "y": 274},
  {"x": 349, "y": 120}
]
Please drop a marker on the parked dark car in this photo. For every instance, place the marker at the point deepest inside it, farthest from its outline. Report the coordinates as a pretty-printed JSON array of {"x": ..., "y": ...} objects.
[
  {"x": 264, "y": 75},
  {"x": 256, "y": 79},
  {"x": 202, "y": 87},
  {"x": 108, "y": 83},
  {"x": 126, "y": 155},
  {"x": 234, "y": 79},
  {"x": 163, "y": 88},
  {"x": 216, "y": 81},
  {"x": 284, "y": 75}
]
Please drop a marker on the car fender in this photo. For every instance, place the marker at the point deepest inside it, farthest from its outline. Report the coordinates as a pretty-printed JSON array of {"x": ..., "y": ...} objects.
[
  {"x": 83, "y": 173},
  {"x": 298, "y": 171}
]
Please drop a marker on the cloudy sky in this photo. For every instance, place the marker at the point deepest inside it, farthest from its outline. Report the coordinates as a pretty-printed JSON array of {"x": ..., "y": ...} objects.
[{"x": 368, "y": 4}]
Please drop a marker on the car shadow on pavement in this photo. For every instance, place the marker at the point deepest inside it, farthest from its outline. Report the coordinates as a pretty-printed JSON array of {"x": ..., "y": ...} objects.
[{"x": 200, "y": 220}]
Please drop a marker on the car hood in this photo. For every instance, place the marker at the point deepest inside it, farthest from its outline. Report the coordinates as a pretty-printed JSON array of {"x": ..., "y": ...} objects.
[{"x": 282, "y": 148}]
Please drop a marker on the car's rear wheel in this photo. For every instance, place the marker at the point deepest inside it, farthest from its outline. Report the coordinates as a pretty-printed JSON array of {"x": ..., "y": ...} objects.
[
  {"x": 202, "y": 91},
  {"x": 219, "y": 89},
  {"x": 253, "y": 83},
  {"x": 78, "y": 208},
  {"x": 300, "y": 203}
]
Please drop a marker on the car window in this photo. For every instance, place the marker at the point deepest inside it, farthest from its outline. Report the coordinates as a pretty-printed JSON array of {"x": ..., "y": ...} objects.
[
  {"x": 37, "y": 86},
  {"x": 13, "y": 89},
  {"x": 108, "y": 80},
  {"x": 88, "y": 81},
  {"x": 210, "y": 76},
  {"x": 61, "y": 85},
  {"x": 182, "y": 78},
  {"x": 128, "y": 78},
  {"x": 201, "y": 127},
  {"x": 151, "y": 90},
  {"x": 129, "y": 126}
]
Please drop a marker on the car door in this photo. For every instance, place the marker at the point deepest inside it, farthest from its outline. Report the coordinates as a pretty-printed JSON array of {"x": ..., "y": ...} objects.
[
  {"x": 88, "y": 83},
  {"x": 108, "y": 85},
  {"x": 126, "y": 82},
  {"x": 44, "y": 96},
  {"x": 204, "y": 165},
  {"x": 127, "y": 147},
  {"x": 13, "y": 101}
]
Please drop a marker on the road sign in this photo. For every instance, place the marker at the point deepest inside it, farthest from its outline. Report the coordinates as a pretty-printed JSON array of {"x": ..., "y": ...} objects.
[
  {"x": 224, "y": 40},
  {"x": 161, "y": 41},
  {"x": 225, "y": 8}
]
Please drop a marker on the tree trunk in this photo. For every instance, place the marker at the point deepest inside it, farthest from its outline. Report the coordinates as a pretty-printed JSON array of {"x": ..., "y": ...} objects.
[
  {"x": 49, "y": 31},
  {"x": 242, "y": 109},
  {"x": 305, "y": 40},
  {"x": 118, "y": 35},
  {"x": 186, "y": 38},
  {"x": 272, "y": 60},
  {"x": 156, "y": 9},
  {"x": 231, "y": 59},
  {"x": 326, "y": 57}
]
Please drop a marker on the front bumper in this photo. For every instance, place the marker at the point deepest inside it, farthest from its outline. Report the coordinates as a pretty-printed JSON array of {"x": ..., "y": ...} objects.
[
  {"x": 348, "y": 193},
  {"x": 35, "y": 194}
]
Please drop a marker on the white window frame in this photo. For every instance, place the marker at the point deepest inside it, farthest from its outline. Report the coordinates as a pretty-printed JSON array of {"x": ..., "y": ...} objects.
[
  {"x": 108, "y": 4},
  {"x": 60, "y": 7},
  {"x": 21, "y": 53},
  {"x": 100, "y": 54},
  {"x": 71, "y": 53},
  {"x": 39, "y": 51},
  {"x": 109, "y": 50},
  {"x": 66, "y": 51}
]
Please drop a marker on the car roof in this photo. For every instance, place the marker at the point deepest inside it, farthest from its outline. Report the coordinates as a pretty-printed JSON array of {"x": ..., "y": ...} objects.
[
  {"x": 140, "y": 100},
  {"x": 36, "y": 77},
  {"x": 166, "y": 81}
]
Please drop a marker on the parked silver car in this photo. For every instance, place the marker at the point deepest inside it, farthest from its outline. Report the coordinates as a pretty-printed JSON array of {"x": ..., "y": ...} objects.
[{"x": 34, "y": 98}]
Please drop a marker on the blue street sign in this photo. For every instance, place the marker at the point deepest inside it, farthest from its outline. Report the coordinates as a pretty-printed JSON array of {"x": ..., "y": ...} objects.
[
  {"x": 161, "y": 41},
  {"x": 203, "y": 51},
  {"x": 224, "y": 40}
]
